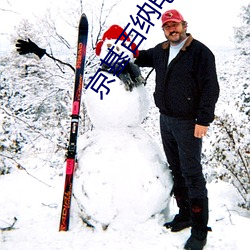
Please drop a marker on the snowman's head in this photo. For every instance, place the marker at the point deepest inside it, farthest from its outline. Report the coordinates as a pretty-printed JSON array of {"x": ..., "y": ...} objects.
[
  {"x": 121, "y": 108},
  {"x": 109, "y": 40}
]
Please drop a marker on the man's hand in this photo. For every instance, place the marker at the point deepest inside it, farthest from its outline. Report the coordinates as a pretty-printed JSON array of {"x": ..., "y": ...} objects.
[
  {"x": 24, "y": 47},
  {"x": 200, "y": 131}
]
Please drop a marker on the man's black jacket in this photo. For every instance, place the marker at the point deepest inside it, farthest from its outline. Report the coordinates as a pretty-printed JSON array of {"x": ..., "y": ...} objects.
[{"x": 188, "y": 87}]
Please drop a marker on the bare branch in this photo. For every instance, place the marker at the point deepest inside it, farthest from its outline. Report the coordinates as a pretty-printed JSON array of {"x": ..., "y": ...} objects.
[
  {"x": 57, "y": 60},
  {"x": 102, "y": 23},
  {"x": 19, "y": 166},
  {"x": 10, "y": 227},
  {"x": 8, "y": 11}
]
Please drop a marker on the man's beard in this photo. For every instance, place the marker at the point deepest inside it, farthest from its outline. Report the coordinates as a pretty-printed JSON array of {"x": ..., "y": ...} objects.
[{"x": 182, "y": 36}]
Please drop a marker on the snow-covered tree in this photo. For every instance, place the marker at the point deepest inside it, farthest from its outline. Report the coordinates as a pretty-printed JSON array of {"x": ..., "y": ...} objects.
[
  {"x": 242, "y": 33},
  {"x": 34, "y": 104},
  {"x": 230, "y": 154},
  {"x": 36, "y": 95}
]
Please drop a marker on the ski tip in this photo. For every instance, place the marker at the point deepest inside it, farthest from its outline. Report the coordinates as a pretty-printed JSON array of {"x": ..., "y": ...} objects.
[
  {"x": 84, "y": 16},
  {"x": 83, "y": 20}
]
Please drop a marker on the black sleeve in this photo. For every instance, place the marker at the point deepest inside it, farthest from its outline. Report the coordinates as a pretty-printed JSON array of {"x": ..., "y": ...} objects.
[
  {"x": 209, "y": 88},
  {"x": 145, "y": 58}
]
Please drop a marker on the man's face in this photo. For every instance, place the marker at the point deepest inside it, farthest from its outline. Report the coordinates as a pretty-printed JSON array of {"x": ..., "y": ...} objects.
[{"x": 174, "y": 32}]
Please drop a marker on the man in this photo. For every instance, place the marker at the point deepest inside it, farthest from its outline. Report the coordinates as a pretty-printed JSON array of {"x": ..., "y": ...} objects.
[{"x": 186, "y": 93}]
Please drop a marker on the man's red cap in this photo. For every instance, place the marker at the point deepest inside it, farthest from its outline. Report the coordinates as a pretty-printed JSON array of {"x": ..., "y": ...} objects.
[{"x": 171, "y": 16}]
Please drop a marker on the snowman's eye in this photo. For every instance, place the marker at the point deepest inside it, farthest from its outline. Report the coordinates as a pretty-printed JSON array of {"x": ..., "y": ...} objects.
[
  {"x": 109, "y": 45},
  {"x": 117, "y": 48}
]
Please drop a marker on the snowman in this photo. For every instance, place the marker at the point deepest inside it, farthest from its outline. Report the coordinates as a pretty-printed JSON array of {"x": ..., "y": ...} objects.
[{"x": 122, "y": 178}]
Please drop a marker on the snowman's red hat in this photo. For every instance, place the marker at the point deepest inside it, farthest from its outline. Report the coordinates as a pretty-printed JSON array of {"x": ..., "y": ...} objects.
[{"x": 113, "y": 33}]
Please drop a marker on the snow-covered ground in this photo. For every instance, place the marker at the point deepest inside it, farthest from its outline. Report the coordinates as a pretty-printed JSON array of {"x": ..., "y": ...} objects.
[{"x": 37, "y": 208}]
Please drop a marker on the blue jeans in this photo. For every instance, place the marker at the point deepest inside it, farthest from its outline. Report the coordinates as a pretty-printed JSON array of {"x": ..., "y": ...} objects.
[{"x": 183, "y": 152}]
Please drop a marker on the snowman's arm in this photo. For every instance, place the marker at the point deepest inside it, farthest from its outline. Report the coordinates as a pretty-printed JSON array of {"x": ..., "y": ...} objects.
[{"x": 25, "y": 47}]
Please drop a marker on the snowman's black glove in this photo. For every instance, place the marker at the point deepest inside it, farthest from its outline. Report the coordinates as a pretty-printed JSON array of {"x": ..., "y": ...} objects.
[
  {"x": 24, "y": 47},
  {"x": 135, "y": 73},
  {"x": 130, "y": 75},
  {"x": 124, "y": 77}
]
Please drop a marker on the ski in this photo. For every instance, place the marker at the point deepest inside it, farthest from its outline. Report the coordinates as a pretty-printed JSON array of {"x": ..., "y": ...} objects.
[{"x": 71, "y": 160}]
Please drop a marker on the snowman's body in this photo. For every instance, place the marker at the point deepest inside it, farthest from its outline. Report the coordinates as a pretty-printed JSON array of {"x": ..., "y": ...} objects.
[{"x": 122, "y": 177}]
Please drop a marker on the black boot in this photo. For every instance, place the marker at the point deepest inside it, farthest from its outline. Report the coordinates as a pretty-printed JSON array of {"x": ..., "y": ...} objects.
[
  {"x": 199, "y": 215},
  {"x": 182, "y": 220}
]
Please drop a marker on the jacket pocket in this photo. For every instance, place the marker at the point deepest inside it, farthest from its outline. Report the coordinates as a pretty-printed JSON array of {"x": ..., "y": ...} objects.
[{"x": 159, "y": 101}]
